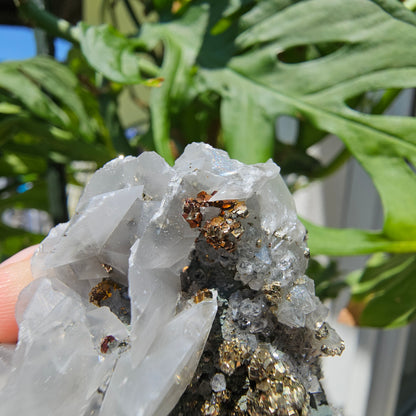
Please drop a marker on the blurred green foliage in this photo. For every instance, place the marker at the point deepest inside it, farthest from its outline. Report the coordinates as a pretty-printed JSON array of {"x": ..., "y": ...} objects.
[{"x": 223, "y": 72}]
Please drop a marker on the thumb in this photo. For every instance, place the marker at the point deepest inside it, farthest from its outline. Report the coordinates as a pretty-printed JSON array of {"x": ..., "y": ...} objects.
[{"x": 15, "y": 274}]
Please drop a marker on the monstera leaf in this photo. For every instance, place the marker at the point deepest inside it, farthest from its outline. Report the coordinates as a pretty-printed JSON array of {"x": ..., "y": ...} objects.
[
  {"x": 46, "y": 89},
  {"x": 110, "y": 52},
  {"x": 42, "y": 113}
]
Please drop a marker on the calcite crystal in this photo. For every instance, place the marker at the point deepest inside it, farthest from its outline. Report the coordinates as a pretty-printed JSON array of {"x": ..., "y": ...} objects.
[{"x": 173, "y": 290}]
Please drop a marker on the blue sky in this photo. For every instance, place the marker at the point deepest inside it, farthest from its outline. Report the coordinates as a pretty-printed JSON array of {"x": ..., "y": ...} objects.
[{"x": 17, "y": 42}]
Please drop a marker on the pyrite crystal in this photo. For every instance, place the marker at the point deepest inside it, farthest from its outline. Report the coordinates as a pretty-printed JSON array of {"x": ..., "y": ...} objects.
[{"x": 172, "y": 291}]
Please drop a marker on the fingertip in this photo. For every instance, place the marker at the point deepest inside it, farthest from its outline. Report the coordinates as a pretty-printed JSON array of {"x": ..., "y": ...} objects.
[{"x": 14, "y": 276}]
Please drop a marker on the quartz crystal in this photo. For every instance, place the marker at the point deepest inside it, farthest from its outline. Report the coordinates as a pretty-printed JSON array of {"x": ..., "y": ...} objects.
[{"x": 172, "y": 290}]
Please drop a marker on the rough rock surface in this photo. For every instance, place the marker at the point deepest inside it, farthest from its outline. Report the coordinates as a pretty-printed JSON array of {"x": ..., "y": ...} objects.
[{"x": 172, "y": 291}]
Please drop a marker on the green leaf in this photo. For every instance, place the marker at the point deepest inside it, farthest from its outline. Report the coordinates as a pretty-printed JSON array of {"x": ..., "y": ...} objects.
[
  {"x": 8, "y": 126},
  {"x": 15, "y": 163},
  {"x": 37, "y": 138},
  {"x": 48, "y": 90},
  {"x": 352, "y": 241},
  {"x": 159, "y": 106},
  {"x": 182, "y": 40},
  {"x": 61, "y": 84},
  {"x": 8, "y": 108},
  {"x": 110, "y": 53},
  {"x": 326, "y": 278},
  {"x": 257, "y": 130},
  {"x": 386, "y": 289},
  {"x": 30, "y": 93}
]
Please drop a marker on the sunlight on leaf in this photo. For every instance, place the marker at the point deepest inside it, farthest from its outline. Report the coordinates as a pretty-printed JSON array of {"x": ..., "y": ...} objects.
[
  {"x": 111, "y": 53},
  {"x": 382, "y": 289}
]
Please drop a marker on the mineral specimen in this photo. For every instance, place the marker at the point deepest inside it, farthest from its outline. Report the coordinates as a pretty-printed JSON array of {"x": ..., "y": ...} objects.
[{"x": 176, "y": 291}]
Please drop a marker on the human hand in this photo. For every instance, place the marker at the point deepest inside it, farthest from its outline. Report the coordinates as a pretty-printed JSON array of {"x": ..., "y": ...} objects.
[{"x": 15, "y": 274}]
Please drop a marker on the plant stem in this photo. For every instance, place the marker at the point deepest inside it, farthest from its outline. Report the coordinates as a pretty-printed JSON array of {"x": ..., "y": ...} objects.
[
  {"x": 47, "y": 21},
  {"x": 131, "y": 13},
  {"x": 63, "y": 29},
  {"x": 149, "y": 68}
]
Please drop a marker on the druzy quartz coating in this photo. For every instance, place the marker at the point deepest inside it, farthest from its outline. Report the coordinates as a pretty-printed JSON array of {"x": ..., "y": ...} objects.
[{"x": 172, "y": 291}]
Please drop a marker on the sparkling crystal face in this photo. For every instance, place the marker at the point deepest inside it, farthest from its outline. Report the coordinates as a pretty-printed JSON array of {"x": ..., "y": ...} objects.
[{"x": 195, "y": 291}]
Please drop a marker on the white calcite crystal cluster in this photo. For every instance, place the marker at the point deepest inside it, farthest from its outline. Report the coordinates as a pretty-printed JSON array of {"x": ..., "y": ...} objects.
[{"x": 172, "y": 290}]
